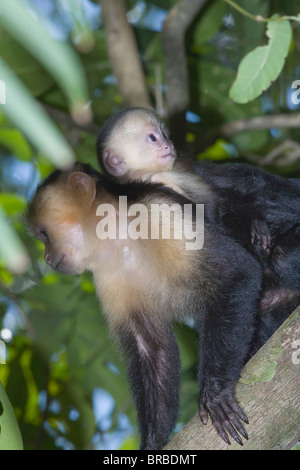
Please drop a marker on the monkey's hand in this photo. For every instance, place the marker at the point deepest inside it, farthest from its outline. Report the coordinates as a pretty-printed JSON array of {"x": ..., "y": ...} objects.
[
  {"x": 225, "y": 413},
  {"x": 261, "y": 237}
]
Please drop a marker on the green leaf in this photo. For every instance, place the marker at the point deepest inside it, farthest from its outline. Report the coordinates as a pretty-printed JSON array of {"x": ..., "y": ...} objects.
[
  {"x": 215, "y": 83},
  {"x": 217, "y": 151},
  {"x": 12, "y": 204},
  {"x": 10, "y": 436},
  {"x": 15, "y": 142},
  {"x": 34, "y": 76},
  {"x": 250, "y": 36},
  {"x": 12, "y": 250},
  {"x": 82, "y": 36},
  {"x": 261, "y": 67},
  {"x": 209, "y": 23},
  {"x": 57, "y": 57},
  {"x": 31, "y": 119}
]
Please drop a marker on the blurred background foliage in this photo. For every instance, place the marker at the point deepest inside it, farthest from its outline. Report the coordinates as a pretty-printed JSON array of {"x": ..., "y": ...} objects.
[{"x": 59, "y": 366}]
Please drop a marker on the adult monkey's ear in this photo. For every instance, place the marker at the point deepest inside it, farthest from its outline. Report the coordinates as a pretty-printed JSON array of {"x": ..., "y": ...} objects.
[
  {"x": 114, "y": 165},
  {"x": 82, "y": 185}
]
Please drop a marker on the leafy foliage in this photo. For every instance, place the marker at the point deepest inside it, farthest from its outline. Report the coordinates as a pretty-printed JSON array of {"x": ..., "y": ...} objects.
[
  {"x": 262, "y": 66},
  {"x": 10, "y": 436},
  {"x": 62, "y": 371}
]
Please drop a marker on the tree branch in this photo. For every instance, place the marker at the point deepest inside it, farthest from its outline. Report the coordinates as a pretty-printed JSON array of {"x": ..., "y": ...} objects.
[
  {"x": 123, "y": 53},
  {"x": 269, "y": 393},
  {"x": 173, "y": 35},
  {"x": 261, "y": 122}
]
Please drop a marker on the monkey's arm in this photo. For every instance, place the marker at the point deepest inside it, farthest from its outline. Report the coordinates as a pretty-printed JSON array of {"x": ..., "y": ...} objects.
[
  {"x": 154, "y": 374},
  {"x": 225, "y": 336}
]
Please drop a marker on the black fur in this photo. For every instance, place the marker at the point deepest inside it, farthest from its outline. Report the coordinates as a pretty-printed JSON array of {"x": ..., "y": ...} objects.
[
  {"x": 250, "y": 196},
  {"x": 154, "y": 378}
]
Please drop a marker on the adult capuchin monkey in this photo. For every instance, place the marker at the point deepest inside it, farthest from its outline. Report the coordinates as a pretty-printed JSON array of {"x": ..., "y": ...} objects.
[
  {"x": 147, "y": 280},
  {"x": 259, "y": 210}
]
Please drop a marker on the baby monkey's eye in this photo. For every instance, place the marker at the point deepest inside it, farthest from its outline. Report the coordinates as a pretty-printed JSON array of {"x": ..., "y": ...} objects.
[{"x": 152, "y": 138}]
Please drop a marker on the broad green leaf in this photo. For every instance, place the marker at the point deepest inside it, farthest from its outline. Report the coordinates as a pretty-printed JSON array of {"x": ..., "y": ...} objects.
[
  {"x": 31, "y": 119},
  {"x": 57, "y": 57},
  {"x": 10, "y": 436},
  {"x": 261, "y": 67}
]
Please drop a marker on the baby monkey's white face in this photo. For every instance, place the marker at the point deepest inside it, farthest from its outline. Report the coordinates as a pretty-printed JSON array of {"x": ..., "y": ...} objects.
[{"x": 139, "y": 146}]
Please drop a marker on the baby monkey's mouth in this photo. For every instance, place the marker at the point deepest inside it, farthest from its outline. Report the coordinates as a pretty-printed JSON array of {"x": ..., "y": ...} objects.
[{"x": 168, "y": 155}]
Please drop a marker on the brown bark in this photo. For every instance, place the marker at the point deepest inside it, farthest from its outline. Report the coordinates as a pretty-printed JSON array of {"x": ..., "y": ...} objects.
[
  {"x": 174, "y": 30},
  {"x": 123, "y": 53},
  {"x": 261, "y": 122},
  {"x": 269, "y": 393}
]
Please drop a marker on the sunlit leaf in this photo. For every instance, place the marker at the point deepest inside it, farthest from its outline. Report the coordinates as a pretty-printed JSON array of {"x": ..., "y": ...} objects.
[
  {"x": 6, "y": 277},
  {"x": 130, "y": 443},
  {"x": 50, "y": 278},
  {"x": 261, "y": 67},
  {"x": 10, "y": 436},
  {"x": 217, "y": 151}
]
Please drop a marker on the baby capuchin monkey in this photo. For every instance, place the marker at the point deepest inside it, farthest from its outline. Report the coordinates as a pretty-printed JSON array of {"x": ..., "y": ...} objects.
[
  {"x": 147, "y": 280},
  {"x": 134, "y": 145}
]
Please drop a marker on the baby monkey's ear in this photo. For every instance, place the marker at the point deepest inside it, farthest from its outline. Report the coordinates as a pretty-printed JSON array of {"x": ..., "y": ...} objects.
[
  {"x": 83, "y": 186},
  {"x": 114, "y": 165}
]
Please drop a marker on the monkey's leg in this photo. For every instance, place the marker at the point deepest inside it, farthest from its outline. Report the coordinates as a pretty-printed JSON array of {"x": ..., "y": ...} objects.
[{"x": 154, "y": 374}]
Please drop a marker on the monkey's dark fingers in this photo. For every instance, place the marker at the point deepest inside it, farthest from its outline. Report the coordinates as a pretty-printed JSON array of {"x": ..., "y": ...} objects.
[
  {"x": 220, "y": 429},
  {"x": 234, "y": 414},
  {"x": 236, "y": 427},
  {"x": 239, "y": 412},
  {"x": 203, "y": 414},
  {"x": 224, "y": 427},
  {"x": 233, "y": 432},
  {"x": 225, "y": 414},
  {"x": 228, "y": 423}
]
